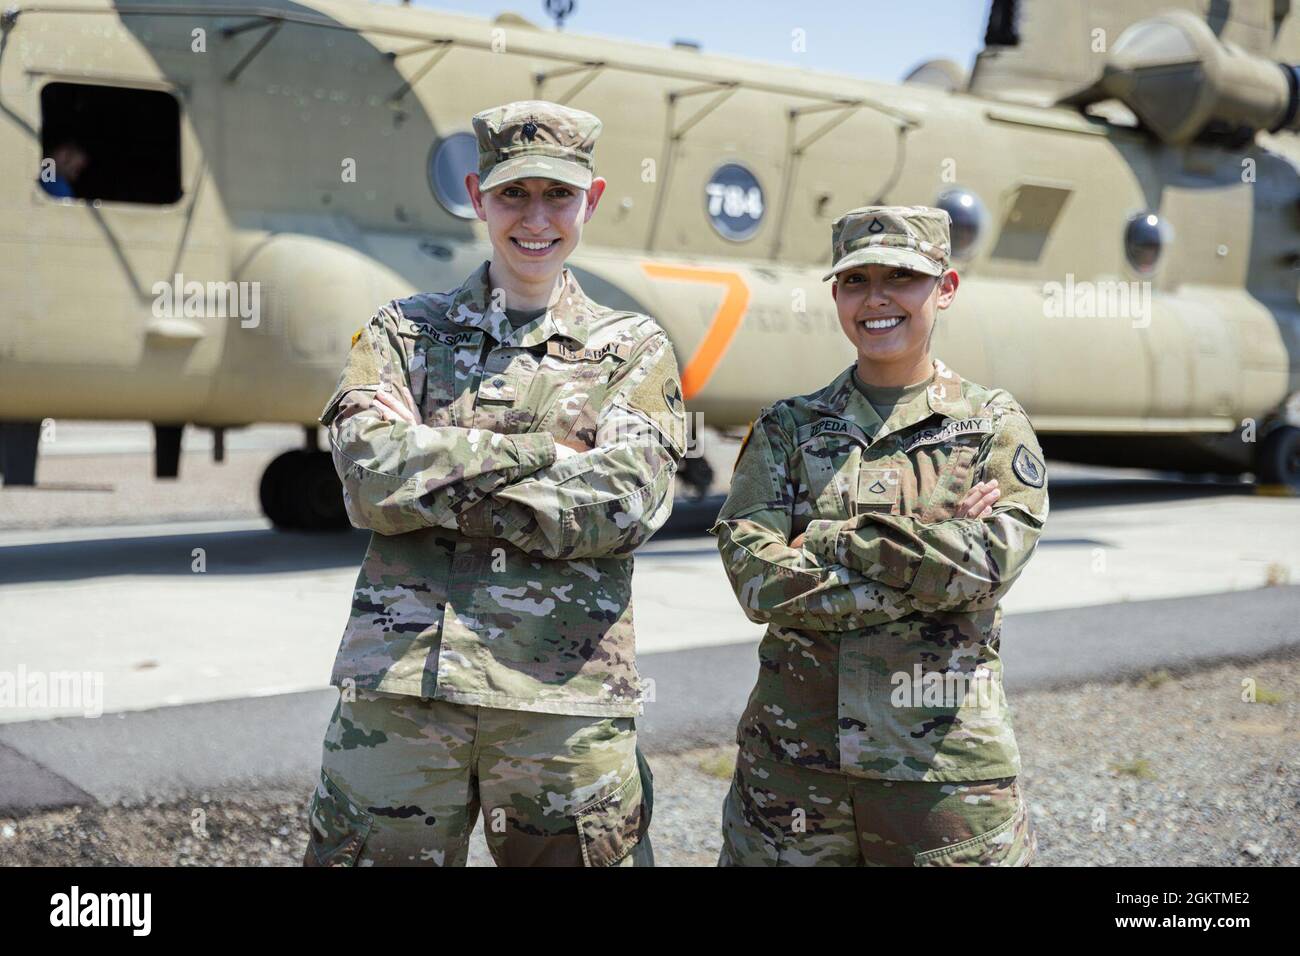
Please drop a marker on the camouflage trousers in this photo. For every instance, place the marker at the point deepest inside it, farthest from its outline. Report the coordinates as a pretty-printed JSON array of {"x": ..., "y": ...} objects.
[
  {"x": 403, "y": 779},
  {"x": 778, "y": 814}
]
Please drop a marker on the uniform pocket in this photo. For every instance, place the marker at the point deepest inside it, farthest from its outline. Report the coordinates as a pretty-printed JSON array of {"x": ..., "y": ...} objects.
[
  {"x": 569, "y": 395},
  {"x": 1012, "y": 842},
  {"x": 953, "y": 481},
  {"x": 442, "y": 366},
  {"x": 745, "y": 842},
  {"x": 647, "y": 787},
  {"x": 338, "y": 826},
  {"x": 501, "y": 402},
  {"x": 609, "y": 827},
  {"x": 828, "y": 464}
]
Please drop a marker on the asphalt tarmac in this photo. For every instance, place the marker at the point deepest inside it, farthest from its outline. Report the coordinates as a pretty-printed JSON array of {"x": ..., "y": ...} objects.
[{"x": 203, "y": 642}]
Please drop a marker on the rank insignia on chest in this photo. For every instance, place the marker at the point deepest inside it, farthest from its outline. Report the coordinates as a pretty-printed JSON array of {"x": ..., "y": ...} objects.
[
  {"x": 950, "y": 429},
  {"x": 877, "y": 490},
  {"x": 1028, "y": 468}
]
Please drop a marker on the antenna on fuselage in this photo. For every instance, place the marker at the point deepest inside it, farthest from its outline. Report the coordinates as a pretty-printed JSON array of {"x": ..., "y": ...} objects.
[{"x": 559, "y": 10}]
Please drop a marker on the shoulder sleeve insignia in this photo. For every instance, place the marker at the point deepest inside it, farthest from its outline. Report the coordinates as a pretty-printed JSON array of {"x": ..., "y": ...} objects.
[
  {"x": 1027, "y": 467},
  {"x": 673, "y": 397}
]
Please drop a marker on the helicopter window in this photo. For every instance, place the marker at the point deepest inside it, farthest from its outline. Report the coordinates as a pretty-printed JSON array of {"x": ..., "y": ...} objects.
[
  {"x": 1145, "y": 237},
  {"x": 111, "y": 143},
  {"x": 733, "y": 200},
  {"x": 969, "y": 220},
  {"x": 453, "y": 157}
]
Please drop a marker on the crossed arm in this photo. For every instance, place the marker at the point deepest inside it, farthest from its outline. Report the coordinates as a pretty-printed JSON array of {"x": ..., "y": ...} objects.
[
  {"x": 873, "y": 568},
  {"x": 548, "y": 498}
]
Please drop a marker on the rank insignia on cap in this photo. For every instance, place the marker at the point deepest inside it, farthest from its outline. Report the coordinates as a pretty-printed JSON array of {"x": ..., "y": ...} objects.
[
  {"x": 876, "y": 488},
  {"x": 1028, "y": 468},
  {"x": 529, "y": 130},
  {"x": 875, "y": 226},
  {"x": 357, "y": 334}
]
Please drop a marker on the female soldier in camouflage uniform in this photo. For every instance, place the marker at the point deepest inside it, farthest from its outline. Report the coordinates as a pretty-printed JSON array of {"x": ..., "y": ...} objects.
[
  {"x": 509, "y": 443},
  {"x": 874, "y": 525}
]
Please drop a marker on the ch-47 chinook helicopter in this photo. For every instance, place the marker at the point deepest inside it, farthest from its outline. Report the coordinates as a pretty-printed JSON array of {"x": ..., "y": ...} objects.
[{"x": 254, "y": 178}]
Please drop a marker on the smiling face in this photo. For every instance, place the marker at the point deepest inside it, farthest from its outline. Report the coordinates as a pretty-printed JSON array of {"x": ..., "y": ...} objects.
[
  {"x": 888, "y": 313},
  {"x": 534, "y": 225}
]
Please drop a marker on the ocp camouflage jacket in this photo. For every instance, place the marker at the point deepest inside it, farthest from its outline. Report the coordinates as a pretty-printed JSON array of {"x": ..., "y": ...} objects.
[
  {"x": 497, "y": 575},
  {"x": 881, "y": 657}
]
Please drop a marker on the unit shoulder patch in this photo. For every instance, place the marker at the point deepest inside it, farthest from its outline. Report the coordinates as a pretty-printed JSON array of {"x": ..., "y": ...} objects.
[
  {"x": 1028, "y": 468},
  {"x": 658, "y": 396},
  {"x": 672, "y": 391}
]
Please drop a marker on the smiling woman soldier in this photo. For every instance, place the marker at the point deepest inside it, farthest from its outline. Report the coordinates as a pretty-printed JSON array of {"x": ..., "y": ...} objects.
[
  {"x": 510, "y": 443},
  {"x": 874, "y": 525}
]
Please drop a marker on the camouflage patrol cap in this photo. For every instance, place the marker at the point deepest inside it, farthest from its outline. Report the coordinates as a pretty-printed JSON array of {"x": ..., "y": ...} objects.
[
  {"x": 912, "y": 236},
  {"x": 535, "y": 138}
]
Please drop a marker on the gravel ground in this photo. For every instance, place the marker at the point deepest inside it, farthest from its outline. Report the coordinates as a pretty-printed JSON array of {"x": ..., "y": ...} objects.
[{"x": 1169, "y": 770}]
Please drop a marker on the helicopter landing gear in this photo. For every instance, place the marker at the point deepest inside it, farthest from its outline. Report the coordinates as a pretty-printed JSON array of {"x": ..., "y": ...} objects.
[
  {"x": 300, "y": 491},
  {"x": 697, "y": 473},
  {"x": 1277, "y": 460},
  {"x": 19, "y": 444}
]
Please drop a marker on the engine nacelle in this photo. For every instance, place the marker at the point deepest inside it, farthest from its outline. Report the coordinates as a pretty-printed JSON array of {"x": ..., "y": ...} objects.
[{"x": 1183, "y": 82}]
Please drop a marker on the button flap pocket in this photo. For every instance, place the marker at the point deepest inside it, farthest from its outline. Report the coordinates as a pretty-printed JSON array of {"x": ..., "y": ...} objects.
[
  {"x": 611, "y": 826},
  {"x": 338, "y": 826},
  {"x": 440, "y": 366},
  {"x": 507, "y": 374},
  {"x": 878, "y": 490},
  {"x": 495, "y": 388},
  {"x": 1013, "y": 842},
  {"x": 829, "y": 464},
  {"x": 952, "y": 483}
]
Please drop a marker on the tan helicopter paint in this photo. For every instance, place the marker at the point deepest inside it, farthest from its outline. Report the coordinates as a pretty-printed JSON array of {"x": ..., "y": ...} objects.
[{"x": 268, "y": 114}]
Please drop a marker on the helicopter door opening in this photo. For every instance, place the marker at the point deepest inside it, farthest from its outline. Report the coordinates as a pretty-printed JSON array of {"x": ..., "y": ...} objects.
[
  {"x": 110, "y": 143},
  {"x": 124, "y": 223}
]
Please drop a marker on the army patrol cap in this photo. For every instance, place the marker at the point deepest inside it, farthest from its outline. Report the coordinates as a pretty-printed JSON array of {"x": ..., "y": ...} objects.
[
  {"x": 912, "y": 236},
  {"x": 535, "y": 138}
]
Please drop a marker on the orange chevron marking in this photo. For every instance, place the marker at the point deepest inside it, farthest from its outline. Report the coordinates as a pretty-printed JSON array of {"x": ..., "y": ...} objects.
[{"x": 721, "y": 329}]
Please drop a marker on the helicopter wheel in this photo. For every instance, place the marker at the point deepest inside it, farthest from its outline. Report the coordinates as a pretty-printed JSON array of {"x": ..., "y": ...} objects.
[
  {"x": 319, "y": 499},
  {"x": 1278, "y": 458},
  {"x": 300, "y": 492}
]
